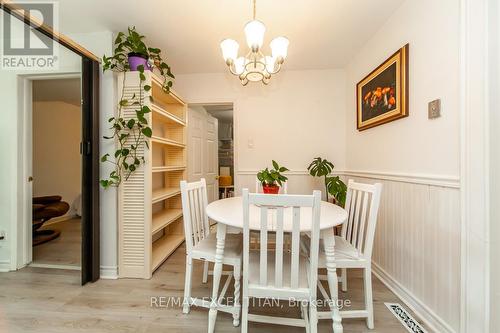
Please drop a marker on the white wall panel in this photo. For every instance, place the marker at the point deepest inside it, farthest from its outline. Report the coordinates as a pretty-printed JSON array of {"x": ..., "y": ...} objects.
[{"x": 417, "y": 247}]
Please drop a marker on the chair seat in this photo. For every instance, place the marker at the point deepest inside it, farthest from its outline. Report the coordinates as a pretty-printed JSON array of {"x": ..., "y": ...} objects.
[
  {"x": 205, "y": 249},
  {"x": 346, "y": 255},
  {"x": 254, "y": 277}
]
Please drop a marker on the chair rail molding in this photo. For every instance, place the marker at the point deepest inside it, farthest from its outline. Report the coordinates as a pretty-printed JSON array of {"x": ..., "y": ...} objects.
[
  {"x": 424, "y": 179},
  {"x": 474, "y": 165}
]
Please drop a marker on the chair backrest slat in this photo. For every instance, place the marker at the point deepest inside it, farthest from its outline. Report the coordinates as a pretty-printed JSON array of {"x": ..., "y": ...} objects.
[
  {"x": 278, "y": 276},
  {"x": 362, "y": 203},
  {"x": 276, "y": 214},
  {"x": 263, "y": 246},
  {"x": 294, "y": 267},
  {"x": 362, "y": 226},
  {"x": 194, "y": 203},
  {"x": 357, "y": 218},
  {"x": 350, "y": 211},
  {"x": 196, "y": 217}
]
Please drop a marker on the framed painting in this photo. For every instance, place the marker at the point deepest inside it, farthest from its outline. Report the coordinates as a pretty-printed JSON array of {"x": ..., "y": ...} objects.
[{"x": 382, "y": 96}]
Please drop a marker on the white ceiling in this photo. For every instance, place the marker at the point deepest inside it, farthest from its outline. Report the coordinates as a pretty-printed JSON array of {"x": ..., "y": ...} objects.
[{"x": 323, "y": 33}]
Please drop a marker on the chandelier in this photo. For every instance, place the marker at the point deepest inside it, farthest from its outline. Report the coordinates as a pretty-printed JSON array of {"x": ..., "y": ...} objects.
[{"x": 255, "y": 66}]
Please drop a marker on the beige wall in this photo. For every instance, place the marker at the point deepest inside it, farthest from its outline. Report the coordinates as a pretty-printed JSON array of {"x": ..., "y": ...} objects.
[
  {"x": 298, "y": 116},
  {"x": 494, "y": 167},
  {"x": 56, "y": 150},
  {"x": 414, "y": 144}
]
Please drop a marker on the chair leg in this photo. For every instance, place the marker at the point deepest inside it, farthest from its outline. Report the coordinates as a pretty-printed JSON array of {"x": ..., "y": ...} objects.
[
  {"x": 313, "y": 317},
  {"x": 205, "y": 272},
  {"x": 368, "y": 296},
  {"x": 187, "y": 285},
  {"x": 344, "y": 279},
  {"x": 306, "y": 318},
  {"x": 244, "y": 315},
  {"x": 237, "y": 306}
]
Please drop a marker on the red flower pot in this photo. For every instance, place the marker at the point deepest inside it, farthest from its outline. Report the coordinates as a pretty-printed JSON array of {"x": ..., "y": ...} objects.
[{"x": 270, "y": 189}]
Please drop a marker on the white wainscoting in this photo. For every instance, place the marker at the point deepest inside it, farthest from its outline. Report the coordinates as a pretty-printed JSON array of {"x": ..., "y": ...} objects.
[
  {"x": 5, "y": 266},
  {"x": 417, "y": 242}
]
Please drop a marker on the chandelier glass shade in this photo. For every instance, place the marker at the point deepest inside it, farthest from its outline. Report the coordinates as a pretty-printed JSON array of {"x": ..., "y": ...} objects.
[{"x": 255, "y": 66}]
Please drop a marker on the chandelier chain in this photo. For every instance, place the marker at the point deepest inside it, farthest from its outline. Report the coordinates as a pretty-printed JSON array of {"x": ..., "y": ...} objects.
[{"x": 254, "y": 9}]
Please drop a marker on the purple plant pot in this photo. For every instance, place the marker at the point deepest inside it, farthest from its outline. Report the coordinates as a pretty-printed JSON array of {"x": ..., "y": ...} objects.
[{"x": 136, "y": 59}]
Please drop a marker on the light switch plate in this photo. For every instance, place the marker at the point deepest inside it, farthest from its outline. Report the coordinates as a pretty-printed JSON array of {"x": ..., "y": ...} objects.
[{"x": 435, "y": 109}]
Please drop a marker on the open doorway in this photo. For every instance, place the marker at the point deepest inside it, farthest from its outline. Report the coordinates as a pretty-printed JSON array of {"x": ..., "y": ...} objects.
[
  {"x": 211, "y": 147},
  {"x": 57, "y": 172},
  {"x": 224, "y": 115}
]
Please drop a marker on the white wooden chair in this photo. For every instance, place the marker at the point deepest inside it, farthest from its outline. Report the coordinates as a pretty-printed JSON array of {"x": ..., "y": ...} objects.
[
  {"x": 200, "y": 245},
  {"x": 353, "y": 249},
  {"x": 280, "y": 274},
  {"x": 254, "y": 241},
  {"x": 283, "y": 189}
]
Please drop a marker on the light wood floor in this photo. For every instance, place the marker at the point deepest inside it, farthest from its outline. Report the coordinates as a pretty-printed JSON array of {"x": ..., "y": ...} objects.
[
  {"x": 64, "y": 250},
  {"x": 51, "y": 300}
]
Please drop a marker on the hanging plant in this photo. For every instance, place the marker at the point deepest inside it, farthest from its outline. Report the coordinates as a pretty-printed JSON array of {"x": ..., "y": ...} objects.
[{"x": 132, "y": 133}]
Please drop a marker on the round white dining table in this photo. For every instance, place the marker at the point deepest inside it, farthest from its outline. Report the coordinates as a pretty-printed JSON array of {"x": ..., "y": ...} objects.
[{"x": 229, "y": 213}]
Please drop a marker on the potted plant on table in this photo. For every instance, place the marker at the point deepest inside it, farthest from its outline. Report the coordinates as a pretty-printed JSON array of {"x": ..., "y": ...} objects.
[
  {"x": 334, "y": 186},
  {"x": 271, "y": 180}
]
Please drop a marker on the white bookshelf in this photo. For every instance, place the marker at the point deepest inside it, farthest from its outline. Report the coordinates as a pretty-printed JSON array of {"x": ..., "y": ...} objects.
[{"x": 150, "y": 214}]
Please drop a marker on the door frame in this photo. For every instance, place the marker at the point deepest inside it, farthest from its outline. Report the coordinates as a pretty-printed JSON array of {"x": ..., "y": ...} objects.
[
  {"x": 219, "y": 101},
  {"x": 89, "y": 150},
  {"x": 475, "y": 87},
  {"x": 24, "y": 250}
]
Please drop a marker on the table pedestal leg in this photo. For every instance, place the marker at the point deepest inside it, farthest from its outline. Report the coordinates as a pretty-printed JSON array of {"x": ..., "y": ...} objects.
[
  {"x": 219, "y": 256},
  {"x": 331, "y": 267}
]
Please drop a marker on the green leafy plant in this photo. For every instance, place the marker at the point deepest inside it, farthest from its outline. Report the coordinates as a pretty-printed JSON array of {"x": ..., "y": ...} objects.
[
  {"x": 334, "y": 186},
  {"x": 273, "y": 176},
  {"x": 131, "y": 134},
  {"x": 338, "y": 189},
  {"x": 133, "y": 42}
]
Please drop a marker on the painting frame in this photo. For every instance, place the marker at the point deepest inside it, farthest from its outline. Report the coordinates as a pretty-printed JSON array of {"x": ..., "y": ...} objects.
[{"x": 398, "y": 63}]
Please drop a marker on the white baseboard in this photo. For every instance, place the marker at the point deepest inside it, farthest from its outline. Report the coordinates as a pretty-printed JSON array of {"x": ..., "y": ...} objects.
[
  {"x": 55, "y": 266},
  {"x": 426, "y": 315},
  {"x": 5, "y": 266},
  {"x": 109, "y": 272}
]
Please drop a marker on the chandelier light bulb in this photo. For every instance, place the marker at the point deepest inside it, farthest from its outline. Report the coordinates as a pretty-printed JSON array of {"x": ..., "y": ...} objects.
[
  {"x": 239, "y": 65},
  {"x": 229, "y": 49},
  {"x": 254, "y": 32},
  {"x": 270, "y": 62},
  {"x": 279, "y": 47}
]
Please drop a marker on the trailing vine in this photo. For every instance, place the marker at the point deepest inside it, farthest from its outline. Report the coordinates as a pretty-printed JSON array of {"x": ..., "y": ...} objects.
[{"x": 131, "y": 134}]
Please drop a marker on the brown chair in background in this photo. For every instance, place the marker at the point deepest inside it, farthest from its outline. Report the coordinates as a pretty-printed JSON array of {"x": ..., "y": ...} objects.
[{"x": 44, "y": 209}]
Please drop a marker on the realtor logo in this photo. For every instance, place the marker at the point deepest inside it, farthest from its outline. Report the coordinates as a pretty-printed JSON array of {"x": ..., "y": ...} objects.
[{"x": 23, "y": 46}]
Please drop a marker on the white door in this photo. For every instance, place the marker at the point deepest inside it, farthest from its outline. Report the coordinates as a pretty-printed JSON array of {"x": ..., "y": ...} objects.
[
  {"x": 212, "y": 157},
  {"x": 203, "y": 156}
]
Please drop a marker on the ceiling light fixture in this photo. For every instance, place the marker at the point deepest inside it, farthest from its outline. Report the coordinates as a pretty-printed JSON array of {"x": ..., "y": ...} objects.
[{"x": 255, "y": 66}]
